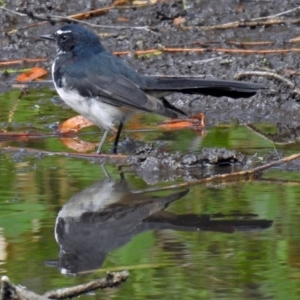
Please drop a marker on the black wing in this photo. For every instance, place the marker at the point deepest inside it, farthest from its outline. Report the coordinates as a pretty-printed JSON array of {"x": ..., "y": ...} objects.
[{"x": 116, "y": 90}]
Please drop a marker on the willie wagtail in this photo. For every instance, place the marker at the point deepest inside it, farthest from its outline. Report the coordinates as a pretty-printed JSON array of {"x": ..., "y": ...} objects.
[{"x": 105, "y": 90}]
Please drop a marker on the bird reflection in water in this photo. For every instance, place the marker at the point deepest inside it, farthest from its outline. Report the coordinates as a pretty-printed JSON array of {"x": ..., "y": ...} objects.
[{"x": 107, "y": 215}]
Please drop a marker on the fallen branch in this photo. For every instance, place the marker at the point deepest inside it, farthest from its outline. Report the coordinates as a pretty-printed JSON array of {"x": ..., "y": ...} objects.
[
  {"x": 12, "y": 292},
  {"x": 225, "y": 177},
  {"x": 111, "y": 280}
]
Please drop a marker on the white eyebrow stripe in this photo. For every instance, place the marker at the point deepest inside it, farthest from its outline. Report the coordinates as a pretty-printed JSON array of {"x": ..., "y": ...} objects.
[{"x": 59, "y": 31}]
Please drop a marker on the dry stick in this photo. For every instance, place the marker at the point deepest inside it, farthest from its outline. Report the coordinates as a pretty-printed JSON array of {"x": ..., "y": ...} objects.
[
  {"x": 21, "y": 61},
  {"x": 233, "y": 51},
  {"x": 77, "y": 17},
  {"x": 112, "y": 279},
  {"x": 270, "y": 139},
  {"x": 288, "y": 82},
  {"x": 170, "y": 50},
  {"x": 68, "y": 19},
  {"x": 202, "y": 50},
  {"x": 245, "y": 23},
  {"x": 224, "y": 177},
  {"x": 270, "y": 20},
  {"x": 247, "y": 44},
  {"x": 277, "y": 15},
  {"x": 47, "y": 19},
  {"x": 92, "y": 13},
  {"x": 12, "y": 292}
]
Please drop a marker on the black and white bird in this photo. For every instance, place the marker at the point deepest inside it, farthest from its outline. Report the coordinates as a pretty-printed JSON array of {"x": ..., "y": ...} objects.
[{"x": 105, "y": 90}]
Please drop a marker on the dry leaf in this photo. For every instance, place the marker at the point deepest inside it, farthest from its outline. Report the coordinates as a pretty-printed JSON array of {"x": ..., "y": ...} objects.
[
  {"x": 31, "y": 75},
  {"x": 78, "y": 145},
  {"x": 195, "y": 122},
  {"x": 178, "y": 21},
  {"x": 73, "y": 125}
]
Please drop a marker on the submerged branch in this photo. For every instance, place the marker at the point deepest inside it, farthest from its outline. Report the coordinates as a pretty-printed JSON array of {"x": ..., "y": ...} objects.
[
  {"x": 12, "y": 292},
  {"x": 111, "y": 280},
  {"x": 221, "y": 178}
]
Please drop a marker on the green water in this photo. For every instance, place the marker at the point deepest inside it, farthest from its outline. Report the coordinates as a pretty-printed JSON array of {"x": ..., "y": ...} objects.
[{"x": 163, "y": 263}]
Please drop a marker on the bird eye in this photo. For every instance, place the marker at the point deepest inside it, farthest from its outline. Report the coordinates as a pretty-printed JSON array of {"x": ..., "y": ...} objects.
[{"x": 64, "y": 37}]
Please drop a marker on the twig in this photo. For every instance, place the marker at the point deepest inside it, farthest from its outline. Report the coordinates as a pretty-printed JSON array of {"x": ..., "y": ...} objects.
[
  {"x": 225, "y": 177},
  {"x": 273, "y": 75},
  {"x": 77, "y": 17},
  {"x": 270, "y": 137},
  {"x": 245, "y": 23},
  {"x": 277, "y": 15},
  {"x": 21, "y": 61},
  {"x": 168, "y": 50},
  {"x": 70, "y": 19},
  {"x": 203, "y": 50},
  {"x": 251, "y": 44},
  {"x": 13, "y": 12},
  {"x": 12, "y": 292},
  {"x": 111, "y": 280}
]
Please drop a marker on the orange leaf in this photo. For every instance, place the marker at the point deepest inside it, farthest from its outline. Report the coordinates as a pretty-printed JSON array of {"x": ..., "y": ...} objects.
[
  {"x": 73, "y": 125},
  {"x": 194, "y": 122},
  {"x": 33, "y": 74},
  {"x": 78, "y": 145},
  {"x": 178, "y": 21}
]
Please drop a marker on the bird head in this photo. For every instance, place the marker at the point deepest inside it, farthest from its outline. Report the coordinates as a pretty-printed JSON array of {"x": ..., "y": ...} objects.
[{"x": 73, "y": 37}]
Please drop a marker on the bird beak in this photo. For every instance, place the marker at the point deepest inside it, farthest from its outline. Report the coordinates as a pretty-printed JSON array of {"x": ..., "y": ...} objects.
[{"x": 48, "y": 37}]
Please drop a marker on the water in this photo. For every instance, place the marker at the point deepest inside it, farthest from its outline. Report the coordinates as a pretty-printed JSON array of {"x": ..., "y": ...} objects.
[{"x": 226, "y": 241}]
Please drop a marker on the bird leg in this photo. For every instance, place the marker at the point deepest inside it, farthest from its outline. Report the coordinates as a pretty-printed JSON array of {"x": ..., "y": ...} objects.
[
  {"x": 102, "y": 141},
  {"x": 115, "y": 147}
]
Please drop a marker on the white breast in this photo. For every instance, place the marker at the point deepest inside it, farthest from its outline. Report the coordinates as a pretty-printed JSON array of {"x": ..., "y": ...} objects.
[{"x": 101, "y": 114}]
